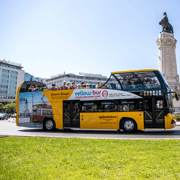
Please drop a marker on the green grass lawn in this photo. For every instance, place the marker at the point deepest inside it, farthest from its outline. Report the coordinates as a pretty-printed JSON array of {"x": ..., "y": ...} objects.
[{"x": 58, "y": 158}]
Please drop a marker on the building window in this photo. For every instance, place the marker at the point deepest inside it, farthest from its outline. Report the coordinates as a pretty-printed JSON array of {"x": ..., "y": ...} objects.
[
  {"x": 3, "y": 86},
  {"x": 4, "y": 81},
  {"x": 11, "y": 92},
  {"x": 13, "y": 77},
  {"x": 13, "y": 72},
  {"x": 13, "y": 82},
  {"x": 3, "y": 97},
  {"x": 4, "y": 70},
  {"x": 78, "y": 82},
  {"x": 11, "y": 97},
  {"x": 3, "y": 91},
  {"x": 12, "y": 87},
  {"x": 4, "y": 75}
]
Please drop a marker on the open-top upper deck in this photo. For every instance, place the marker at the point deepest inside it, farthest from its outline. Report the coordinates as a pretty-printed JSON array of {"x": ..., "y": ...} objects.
[{"x": 135, "y": 80}]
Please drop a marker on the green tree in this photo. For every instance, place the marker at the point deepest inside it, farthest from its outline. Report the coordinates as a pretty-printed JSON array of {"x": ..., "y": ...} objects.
[
  {"x": 8, "y": 108},
  {"x": 1, "y": 107}
]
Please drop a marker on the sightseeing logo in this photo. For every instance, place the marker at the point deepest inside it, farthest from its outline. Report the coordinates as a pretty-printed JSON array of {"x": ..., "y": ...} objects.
[
  {"x": 105, "y": 94},
  {"x": 82, "y": 93},
  {"x": 88, "y": 94},
  {"x": 96, "y": 93}
]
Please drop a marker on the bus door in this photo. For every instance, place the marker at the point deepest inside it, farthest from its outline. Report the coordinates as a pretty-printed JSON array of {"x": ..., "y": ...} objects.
[
  {"x": 153, "y": 112},
  {"x": 71, "y": 114}
]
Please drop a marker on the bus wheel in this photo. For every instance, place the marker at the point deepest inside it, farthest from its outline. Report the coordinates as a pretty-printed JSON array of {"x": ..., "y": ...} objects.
[
  {"x": 49, "y": 125},
  {"x": 129, "y": 125}
]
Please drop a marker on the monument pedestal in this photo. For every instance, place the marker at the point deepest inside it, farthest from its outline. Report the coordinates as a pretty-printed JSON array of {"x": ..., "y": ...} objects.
[{"x": 167, "y": 62}]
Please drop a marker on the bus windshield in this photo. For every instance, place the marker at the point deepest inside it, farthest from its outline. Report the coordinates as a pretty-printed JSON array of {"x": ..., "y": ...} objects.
[{"x": 138, "y": 80}]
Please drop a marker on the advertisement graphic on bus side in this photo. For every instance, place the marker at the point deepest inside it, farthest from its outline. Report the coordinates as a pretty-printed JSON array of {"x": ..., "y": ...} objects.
[{"x": 100, "y": 94}]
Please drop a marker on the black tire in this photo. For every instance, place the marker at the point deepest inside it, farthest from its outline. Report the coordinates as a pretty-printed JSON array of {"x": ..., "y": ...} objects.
[
  {"x": 129, "y": 125},
  {"x": 49, "y": 125}
]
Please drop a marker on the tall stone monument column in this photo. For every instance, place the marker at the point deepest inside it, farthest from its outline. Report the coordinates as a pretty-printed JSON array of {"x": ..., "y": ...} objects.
[{"x": 167, "y": 58}]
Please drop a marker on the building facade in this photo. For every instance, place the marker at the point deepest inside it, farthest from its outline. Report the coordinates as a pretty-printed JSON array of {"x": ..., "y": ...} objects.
[
  {"x": 11, "y": 75},
  {"x": 29, "y": 77},
  {"x": 91, "y": 79}
]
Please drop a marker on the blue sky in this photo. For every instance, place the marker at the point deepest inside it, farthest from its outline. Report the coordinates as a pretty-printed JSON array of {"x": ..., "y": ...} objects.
[{"x": 49, "y": 37}]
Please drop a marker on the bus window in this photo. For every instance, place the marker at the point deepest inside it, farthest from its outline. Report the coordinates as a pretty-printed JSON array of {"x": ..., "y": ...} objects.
[
  {"x": 89, "y": 106},
  {"x": 159, "y": 104},
  {"x": 106, "y": 106},
  {"x": 75, "y": 107},
  {"x": 138, "y": 80},
  {"x": 112, "y": 83},
  {"x": 148, "y": 104},
  {"x": 115, "y": 106},
  {"x": 129, "y": 105}
]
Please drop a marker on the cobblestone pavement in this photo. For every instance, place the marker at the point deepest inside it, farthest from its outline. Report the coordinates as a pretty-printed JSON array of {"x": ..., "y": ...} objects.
[{"x": 9, "y": 128}]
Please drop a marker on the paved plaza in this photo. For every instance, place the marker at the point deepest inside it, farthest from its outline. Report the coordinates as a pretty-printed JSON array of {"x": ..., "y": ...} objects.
[{"x": 9, "y": 128}]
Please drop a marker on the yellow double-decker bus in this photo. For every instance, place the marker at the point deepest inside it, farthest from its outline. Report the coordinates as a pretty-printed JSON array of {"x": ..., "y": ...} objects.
[{"x": 128, "y": 100}]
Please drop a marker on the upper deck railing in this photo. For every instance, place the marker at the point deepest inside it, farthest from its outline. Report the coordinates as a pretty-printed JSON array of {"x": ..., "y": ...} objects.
[{"x": 133, "y": 80}]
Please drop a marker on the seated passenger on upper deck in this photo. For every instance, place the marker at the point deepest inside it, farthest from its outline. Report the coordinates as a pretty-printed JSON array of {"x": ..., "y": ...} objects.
[
  {"x": 98, "y": 85},
  {"x": 63, "y": 87},
  {"x": 78, "y": 86},
  {"x": 36, "y": 88},
  {"x": 54, "y": 87},
  {"x": 72, "y": 86},
  {"x": 87, "y": 86},
  {"x": 31, "y": 88},
  {"x": 68, "y": 85},
  {"x": 82, "y": 85}
]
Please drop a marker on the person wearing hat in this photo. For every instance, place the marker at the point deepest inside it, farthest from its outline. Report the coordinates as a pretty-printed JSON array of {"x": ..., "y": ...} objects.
[
  {"x": 63, "y": 86},
  {"x": 68, "y": 85},
  {"x": 31, "y": 88},
  {"x": 87, "y": 86},
  {"x": 78, "y": 86},
  {"x": 36, "y": 88},
  {"x": 54, "y": 87},
  {"x": 72, "y": 86},
  {"x": 83, "y": 85},
  {"x": 98, "y": 85}
]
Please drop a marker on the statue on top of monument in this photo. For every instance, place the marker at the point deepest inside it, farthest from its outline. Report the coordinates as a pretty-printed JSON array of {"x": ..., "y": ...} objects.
[{"x": 166, "y": 26}]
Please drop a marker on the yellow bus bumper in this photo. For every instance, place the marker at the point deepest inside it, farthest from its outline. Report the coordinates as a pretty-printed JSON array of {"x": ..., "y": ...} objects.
[{"x": 170, "y": 121}]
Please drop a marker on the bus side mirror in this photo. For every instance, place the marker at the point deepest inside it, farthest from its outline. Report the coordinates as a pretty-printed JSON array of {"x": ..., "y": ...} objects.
[{"x": 176, "y": 95}]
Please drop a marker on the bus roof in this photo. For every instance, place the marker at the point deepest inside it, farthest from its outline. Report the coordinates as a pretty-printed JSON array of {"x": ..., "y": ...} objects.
[
  {"x": 133, "y": 71},
  {"x": 33, "y": 83}
]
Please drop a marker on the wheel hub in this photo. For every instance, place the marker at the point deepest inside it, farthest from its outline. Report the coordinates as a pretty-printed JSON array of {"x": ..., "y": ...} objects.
[
  {"x": 128, "y": 125},
  {"x": 49, "y": 124}
]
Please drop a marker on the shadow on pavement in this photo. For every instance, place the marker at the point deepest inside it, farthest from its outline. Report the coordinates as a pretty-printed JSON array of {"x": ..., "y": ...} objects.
[{"x": 107, "y": 132}]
